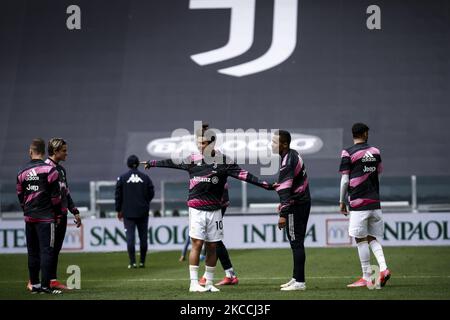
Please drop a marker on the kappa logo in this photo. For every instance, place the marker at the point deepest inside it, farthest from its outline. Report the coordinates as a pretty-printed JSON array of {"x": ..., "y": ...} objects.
[
  {"x": 134, "y": 178},
  {"x": 32, "y": 176},
  {"x": 368, "y": 157},
  {"x": 242, "y": 25}
]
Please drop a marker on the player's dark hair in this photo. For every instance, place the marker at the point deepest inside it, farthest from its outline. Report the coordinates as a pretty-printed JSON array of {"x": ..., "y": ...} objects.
[
  {"x": 38, "y": 146},
  {"x": 211, "y": 136},
  {"x": 55, "y": 145},
  {"x": 133, "y": 162},
  {"x": 359, "y": 129},
  {"x": 285, "y": 136}
]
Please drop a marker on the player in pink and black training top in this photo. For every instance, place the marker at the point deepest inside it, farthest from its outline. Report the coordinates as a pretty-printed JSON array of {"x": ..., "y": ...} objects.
[
  {"x": 208, "y": 173},
  {"x": 57, "y": 152},
  {"x": 360, "y": 166},
  {"x": 39, "y": 195},
  {"x": 295, "y": 205}
]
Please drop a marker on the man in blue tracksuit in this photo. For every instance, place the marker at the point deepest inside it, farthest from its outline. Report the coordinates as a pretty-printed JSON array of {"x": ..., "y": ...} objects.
[{"x": 134, "y": 191}]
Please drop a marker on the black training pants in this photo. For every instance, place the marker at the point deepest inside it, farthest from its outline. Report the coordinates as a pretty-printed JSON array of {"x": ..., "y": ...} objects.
[
  {"x": 297, "y": 221},
  {"x": 40, "y": 241},
  {"x": 142, "y": 227},
  {"x": 60, "y": 234}
]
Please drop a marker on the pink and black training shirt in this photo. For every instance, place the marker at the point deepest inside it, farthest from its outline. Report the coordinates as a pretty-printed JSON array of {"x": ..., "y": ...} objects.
[
  {"x": 293, "y": 185},
  {"x": 207, "y": 183},
  {"x": 362, "y": 163},
  {"x": 39, "y": 192},
  {"x": 67, "y": 203}
]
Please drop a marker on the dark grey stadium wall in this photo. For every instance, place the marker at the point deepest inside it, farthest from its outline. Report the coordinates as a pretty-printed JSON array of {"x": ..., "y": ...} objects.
[{"x": 129, "y": 70}]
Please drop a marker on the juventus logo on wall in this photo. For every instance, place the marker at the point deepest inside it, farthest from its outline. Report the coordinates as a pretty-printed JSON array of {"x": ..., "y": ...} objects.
[{"x": 242, "y": 25}]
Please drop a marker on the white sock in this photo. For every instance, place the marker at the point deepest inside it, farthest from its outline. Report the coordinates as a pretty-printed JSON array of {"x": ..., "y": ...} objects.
[
  {"x": 229, "y": 273},
  {"x": 377, "y": 250},
  {"x": 37, "y": 286},
  {"x": 364, "y": 258},
  {"x": 209, "y": 274},
  {"x": 193, "y": 272}
]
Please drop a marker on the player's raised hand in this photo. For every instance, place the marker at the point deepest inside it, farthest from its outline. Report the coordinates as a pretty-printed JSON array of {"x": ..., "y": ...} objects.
[
  {"x": 146, "y": 164},
  {"x": 343, "y": 208}
]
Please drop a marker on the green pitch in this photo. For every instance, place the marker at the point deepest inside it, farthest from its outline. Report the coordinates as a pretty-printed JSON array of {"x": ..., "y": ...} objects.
[{"x": 418, "y": 273}]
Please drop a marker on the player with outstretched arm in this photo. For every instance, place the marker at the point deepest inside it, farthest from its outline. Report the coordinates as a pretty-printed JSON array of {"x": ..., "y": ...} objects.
[{"x": 208, "y": 173}]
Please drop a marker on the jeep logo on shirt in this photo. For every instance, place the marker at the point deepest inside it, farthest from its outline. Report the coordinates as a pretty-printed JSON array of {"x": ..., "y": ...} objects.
[
  {"x": 369, "y": 169},
  {"x": 32, "y": 188}
]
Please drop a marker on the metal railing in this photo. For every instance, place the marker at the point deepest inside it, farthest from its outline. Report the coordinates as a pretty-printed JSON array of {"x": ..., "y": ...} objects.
[
  {"x": 97, "y": 201},
  {"x": 400, "y": 194},
  {"x": 414, "y": 206}
]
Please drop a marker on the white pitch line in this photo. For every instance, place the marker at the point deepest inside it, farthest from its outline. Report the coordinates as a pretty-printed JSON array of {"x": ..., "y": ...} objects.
[{"x": 244, "y": 279}]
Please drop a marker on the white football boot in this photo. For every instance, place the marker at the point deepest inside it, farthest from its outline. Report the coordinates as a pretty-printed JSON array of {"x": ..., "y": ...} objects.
[
  {"x": 196, "y": 287},
  {"x": 210, "y": 287},
  {"x": 295, "y": 286},
  {"x": 287, "y": 284}
]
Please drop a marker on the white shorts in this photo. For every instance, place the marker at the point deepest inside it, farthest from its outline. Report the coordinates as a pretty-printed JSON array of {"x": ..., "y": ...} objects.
[
  {"x": 205, "y": 225},
  {"x": 366, "y": 223}
]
